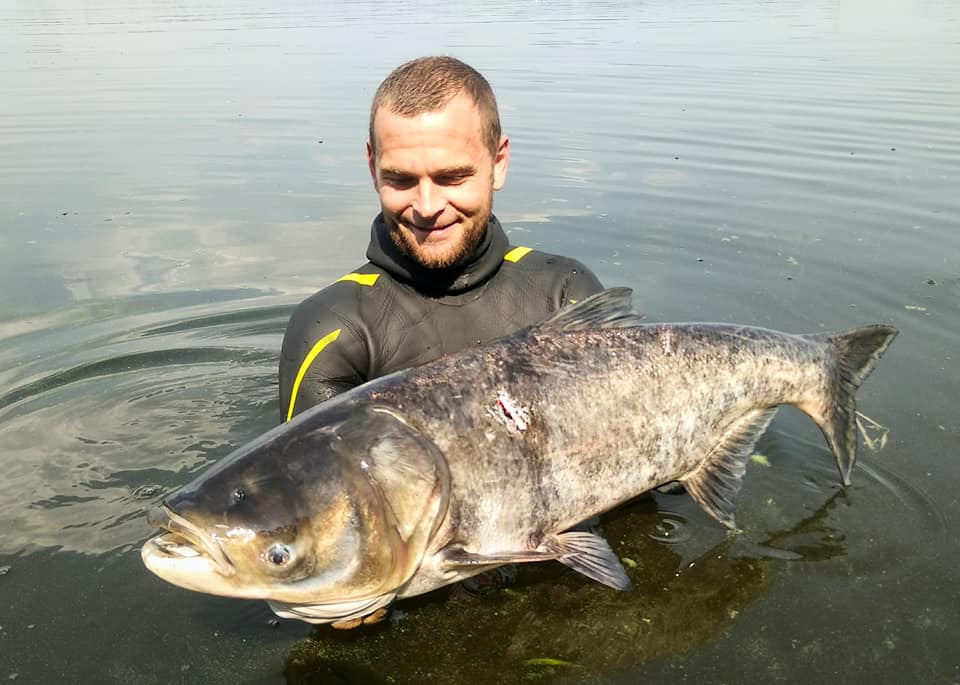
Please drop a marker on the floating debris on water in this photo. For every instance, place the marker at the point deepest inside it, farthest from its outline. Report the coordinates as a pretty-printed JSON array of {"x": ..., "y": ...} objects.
[
  {"x": 147, "y": 491},
  {"x": 548, "y": 661},
  {"x": 760, "y": 459},
  {"x": 914, "y": 308},
  {"x": 873, "y": 433}
]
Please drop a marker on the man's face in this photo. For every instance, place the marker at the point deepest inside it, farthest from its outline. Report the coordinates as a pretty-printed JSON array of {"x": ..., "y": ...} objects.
[{"x": 436, "y": 176}]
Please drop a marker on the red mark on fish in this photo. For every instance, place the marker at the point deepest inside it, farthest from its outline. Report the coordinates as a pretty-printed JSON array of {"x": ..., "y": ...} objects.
[{"x": 510, "y": 412}]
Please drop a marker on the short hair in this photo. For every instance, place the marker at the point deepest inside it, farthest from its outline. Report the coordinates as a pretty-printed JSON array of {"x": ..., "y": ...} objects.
[{"x": 427, "y": 84}]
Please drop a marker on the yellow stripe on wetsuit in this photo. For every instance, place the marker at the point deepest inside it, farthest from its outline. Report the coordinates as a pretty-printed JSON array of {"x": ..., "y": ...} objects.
[
  {"x": 517, "y": 253},
  {"x": 320, "y": 346},
  {"x": 362, "y": 279},
  {"x": 314, "y": 351}
]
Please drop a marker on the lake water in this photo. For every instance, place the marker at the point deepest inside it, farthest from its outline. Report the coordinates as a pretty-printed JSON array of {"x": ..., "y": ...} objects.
[{"x": 175, "y": 177}]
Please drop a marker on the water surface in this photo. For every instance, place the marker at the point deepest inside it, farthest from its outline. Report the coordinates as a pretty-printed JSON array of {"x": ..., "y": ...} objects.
[{"x": 175, "y": 179}]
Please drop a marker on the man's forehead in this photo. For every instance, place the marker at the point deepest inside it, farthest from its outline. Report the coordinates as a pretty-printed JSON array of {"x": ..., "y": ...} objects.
[
  {"x": 424, "y": 144},
  {"x": 461, "y": 102},
  {"x": 459, "y": 118}
]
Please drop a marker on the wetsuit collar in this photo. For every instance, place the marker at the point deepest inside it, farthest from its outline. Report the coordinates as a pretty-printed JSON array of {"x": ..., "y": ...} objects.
[{"x": 478, "y": 267}]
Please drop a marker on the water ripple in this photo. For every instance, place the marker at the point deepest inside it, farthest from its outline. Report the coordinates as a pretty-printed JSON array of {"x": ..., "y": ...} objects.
[{"x": 135, "y": 412}]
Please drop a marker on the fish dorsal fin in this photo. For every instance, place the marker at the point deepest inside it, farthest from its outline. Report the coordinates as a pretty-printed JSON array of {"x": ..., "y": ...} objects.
[
  {"x": 715, "y": 482},
  {"x": 611, "y": 308}
]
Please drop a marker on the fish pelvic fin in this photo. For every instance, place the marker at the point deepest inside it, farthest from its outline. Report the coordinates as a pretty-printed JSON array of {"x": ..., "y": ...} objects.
[
  {"x": 715, "y": 482},
  {"x": 584, "y": 552},
  {"x": 590, "y": 555},
  {"x": 856, "y": 353},
  {"x": 611, "y": 308}
]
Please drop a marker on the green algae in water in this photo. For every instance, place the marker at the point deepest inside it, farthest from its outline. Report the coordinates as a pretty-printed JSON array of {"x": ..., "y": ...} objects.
[{"x": 547, "y": 661}]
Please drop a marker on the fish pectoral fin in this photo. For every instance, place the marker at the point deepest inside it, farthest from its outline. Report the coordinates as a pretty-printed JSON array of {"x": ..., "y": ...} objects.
[
  {"x": 590, "y": 555},
  {"x": 456, "y": 559},
  {"x": 715, "y": 482},
  {"x": 584, "y": 552}
]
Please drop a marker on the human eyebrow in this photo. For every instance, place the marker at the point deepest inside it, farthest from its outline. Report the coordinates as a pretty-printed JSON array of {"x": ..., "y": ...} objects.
[
  {"x": 396, "y": 176},
  {"x": 454, "y": 174}
]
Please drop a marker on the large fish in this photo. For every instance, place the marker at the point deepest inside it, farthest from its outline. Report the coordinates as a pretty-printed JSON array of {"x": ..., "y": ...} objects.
[{"x": 494, "y": 455}]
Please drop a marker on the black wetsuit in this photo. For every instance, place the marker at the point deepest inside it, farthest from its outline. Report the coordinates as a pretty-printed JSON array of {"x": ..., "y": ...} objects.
[{"x": 392, "y": 313}]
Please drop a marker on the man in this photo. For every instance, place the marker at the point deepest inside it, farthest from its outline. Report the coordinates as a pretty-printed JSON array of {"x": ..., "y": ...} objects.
[{"x": 441, "y": 274}]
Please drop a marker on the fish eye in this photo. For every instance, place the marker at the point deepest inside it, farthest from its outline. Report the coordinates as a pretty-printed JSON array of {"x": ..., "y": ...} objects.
[
  {"x": 279, "y": 554},
  {"x": 237, "y": 495}
]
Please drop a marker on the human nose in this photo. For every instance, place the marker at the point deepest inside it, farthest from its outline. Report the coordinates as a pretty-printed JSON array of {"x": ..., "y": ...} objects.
[{"x": 430, "y": 201}]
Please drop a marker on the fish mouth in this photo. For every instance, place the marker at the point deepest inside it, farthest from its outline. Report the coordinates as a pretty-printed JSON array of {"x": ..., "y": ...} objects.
[{"x": 184, "y": 541}]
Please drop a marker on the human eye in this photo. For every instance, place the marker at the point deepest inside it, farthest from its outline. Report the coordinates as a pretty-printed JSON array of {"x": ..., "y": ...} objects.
[
  {"x": 397, "y": 180},
  {"x": 453, "y": 178}
]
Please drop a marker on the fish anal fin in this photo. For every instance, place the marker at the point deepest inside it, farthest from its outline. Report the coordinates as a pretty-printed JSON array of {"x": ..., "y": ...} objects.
[
  {"x": 715, "y": 483},
  {"x": 590, "y": 555}
]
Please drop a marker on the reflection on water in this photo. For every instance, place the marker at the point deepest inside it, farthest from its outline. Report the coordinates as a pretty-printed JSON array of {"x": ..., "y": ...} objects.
[
  {"x": 176, "y": 178},
  {"x": 549, "y": 624}
]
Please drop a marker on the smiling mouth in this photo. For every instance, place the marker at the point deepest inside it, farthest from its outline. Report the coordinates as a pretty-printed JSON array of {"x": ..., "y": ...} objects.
[
  {"x": 183, "y": 540},
  {"x": 430, "y": 229}
]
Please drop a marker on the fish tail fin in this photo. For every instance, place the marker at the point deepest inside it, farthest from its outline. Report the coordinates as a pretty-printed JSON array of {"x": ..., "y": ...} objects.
[{"x": 854, "y": 353}]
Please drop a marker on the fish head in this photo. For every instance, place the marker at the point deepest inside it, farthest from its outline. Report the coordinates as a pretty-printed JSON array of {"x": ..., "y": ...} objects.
[{"x": 334, "y": 509}]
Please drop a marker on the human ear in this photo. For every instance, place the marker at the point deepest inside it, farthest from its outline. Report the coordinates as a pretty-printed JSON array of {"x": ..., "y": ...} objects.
[
  {"x": 372, "y": 165},
  {"x": 501, "y": 160}
]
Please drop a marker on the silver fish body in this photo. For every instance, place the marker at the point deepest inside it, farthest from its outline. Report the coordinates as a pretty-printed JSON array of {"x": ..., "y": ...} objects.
[{"x": 495, "y": 454}]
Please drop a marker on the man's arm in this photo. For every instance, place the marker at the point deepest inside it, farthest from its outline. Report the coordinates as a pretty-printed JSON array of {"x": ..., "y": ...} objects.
[{"x": 322, "y": 356}]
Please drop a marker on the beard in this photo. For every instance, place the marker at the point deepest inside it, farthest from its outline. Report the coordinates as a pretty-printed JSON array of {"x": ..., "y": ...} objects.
[{"x": 453, "y": 252}]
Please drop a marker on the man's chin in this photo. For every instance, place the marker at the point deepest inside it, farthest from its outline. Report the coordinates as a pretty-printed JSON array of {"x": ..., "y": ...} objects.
[
  {"x": 432, "y": 255},
  {"x": 438, "y": 249},
  {"x": 439, "y": 257}
]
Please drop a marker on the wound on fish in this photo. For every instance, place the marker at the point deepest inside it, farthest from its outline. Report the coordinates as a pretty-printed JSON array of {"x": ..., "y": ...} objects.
[{"x": 510, "y": 412}]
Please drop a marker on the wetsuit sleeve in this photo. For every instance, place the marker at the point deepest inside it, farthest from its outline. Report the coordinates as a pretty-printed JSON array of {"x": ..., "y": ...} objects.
[
  {"x": 580, "y": 283},
  {"x": 322, "y": 356}
]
